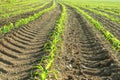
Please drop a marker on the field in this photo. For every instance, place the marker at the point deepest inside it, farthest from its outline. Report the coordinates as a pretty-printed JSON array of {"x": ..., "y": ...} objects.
[{"x": 59, "y": 40}]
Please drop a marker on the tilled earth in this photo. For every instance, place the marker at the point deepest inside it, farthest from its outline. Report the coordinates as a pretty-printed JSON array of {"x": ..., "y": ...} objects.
[{"x": 84, "y": 55}]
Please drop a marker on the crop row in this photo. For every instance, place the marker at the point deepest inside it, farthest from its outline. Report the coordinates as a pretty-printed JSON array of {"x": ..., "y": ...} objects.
[
  {"x": 104, "y": 9},
  {"x": 23, "y": 11},
  {"x": 115, "y": 10},
  {"x": 7, "y": 7},
  {"x": 22, "y": 22},
  {"x": 14, "y": 3},
  {"x": 107, "y": 11},
  {"x": 51, "y": 48},
  {"x": 111, "y": 8},
  {"x": 103, "y": 14},
  {"x": 90, "y": 5},
  {"x": 110, "y": 37}
]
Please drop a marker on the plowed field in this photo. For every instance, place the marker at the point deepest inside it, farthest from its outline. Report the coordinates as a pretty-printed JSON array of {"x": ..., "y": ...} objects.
[{"x": 84, "y": 54}]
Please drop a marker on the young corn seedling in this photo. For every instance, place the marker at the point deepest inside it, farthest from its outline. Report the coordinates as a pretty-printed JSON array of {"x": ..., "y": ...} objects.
[
  {"x": 116, "y": 44},
  {"x": 0, "y": 30},
  {"x": 108, "y": 35}
]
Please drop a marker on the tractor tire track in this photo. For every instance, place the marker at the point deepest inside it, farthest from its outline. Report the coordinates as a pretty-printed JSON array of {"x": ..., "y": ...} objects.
[{"x": 22, "y": 49}]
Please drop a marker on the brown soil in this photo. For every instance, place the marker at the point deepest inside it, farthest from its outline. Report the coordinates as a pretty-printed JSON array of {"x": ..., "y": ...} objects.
[
  {"x": 83, "y": 55},
  {"x": 13, "y": 19},
  {"x": 23, "y": 48},
  {"x": 113, "y": 27}
]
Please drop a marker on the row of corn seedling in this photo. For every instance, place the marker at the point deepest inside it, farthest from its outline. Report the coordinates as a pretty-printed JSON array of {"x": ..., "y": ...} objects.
[
  {"x": 43, "y": 68},
  {"x": 107, "y": 11},
  {"x": 110, "y": 37},
  {"x": 115, "y": 10},
  {"x": 23, "y": 11},
  {"x": 9, "y": 8},
  {"x": 22, "y": 22},
  {"x": 112, "y": 18}
]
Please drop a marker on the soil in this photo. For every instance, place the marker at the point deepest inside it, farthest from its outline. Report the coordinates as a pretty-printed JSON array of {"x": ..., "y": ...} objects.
[
  {"x": 84, "y": 56},
  {"x": 111, "y": 26},
  {"x": 22, "y": 49},
  {"x": 13, "y": 19}
]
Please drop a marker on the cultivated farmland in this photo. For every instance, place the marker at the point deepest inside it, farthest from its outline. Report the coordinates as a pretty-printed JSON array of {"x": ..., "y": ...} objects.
[{"x": 59, "y": 40}]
